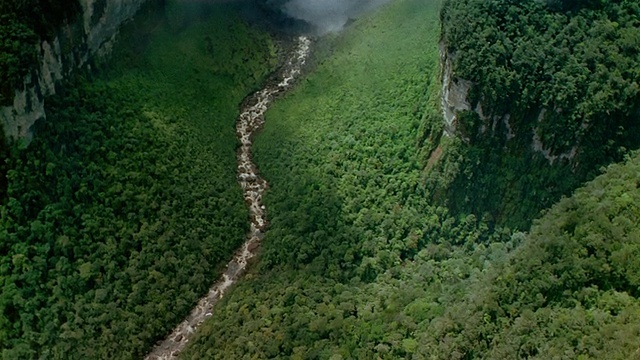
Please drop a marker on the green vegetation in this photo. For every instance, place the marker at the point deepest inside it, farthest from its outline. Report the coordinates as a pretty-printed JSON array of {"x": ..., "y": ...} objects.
[
  {"x": 340, "y": 152},
  {"x": 577, "y": 60},
  {"x": 125, "y": 205},
  {"x": 359, "y": 264},
  {"x": 569, "y": 289},
  {"x": 17, "y": 55},
  {"x": 121, "y": 211},
  {"x": 345, "y": 202},
  {"x": 43, "y": 17},
  {"x": 22, "y": 24}
]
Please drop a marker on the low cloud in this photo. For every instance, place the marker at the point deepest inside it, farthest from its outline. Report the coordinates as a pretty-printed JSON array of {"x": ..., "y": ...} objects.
[{"x": 328, "y": 15}]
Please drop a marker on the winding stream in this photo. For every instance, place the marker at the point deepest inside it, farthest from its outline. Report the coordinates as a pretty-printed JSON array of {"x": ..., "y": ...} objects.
[{"x": 250, "y": 120}]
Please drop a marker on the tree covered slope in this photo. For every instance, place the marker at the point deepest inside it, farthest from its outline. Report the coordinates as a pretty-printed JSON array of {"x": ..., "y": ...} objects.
[
  {"x": 385, "y": 238},
  {"x": 566, "y": 290},
  {"x": 567, "y": 75},
  {"x": 358, "y": 264},
  {"x": 122, "y": 210}
]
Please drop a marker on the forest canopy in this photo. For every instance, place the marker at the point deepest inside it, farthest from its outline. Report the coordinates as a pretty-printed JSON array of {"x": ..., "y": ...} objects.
[
  {"x": 358, "y": 263},
  {"x": 558, "y": 87},
  {"x": 387, "y": 240},
  {"x": 125, "y": 204},
  {"x": 567, "y": 289}
]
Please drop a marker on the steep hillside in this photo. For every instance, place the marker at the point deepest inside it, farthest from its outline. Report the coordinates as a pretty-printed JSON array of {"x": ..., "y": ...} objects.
[
  {"x": 550, "y": 94},
  {"x": 566, "y": 290},
  {"x": 569, "y": 289},
  {"x": 45, "y": 42},
  {"x": 20, "y": 31},
  {"x": 387, "y": 237},
  {"x": 359, "y": 264},
  {"x": 42, "y": 43},
  {"x": 22, "y": 25},
  {"x": 125, "y": 205}
]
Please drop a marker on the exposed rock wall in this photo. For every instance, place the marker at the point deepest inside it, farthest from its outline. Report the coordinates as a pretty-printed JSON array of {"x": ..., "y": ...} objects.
[
  {"x": 454, "y": 92},
  {"x": 455, "y": 99},
  {"x": 92, "y": 34}
]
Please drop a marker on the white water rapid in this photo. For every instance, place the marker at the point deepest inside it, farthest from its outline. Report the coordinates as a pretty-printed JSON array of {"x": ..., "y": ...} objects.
[{"x": 250, "y": 120}]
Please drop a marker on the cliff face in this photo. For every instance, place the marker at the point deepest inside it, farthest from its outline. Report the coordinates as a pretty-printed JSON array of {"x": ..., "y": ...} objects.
[
  {"x": 92, "y": 34},
  {"x": 454, "y": 92},
  {"x": 455, "y": 100}
]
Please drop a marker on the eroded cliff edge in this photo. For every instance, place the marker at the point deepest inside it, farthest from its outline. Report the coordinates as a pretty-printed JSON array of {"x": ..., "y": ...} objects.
[
  {"x": 456, "y": 100},
  {"x": 533, "y": 113},
  {"x": 90, "y": 35}
]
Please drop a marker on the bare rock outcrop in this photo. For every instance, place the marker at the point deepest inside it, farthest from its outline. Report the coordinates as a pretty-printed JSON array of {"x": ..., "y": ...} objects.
[
  {"x": 455, "y": 99},
  {"x": 91, "y": 35}
]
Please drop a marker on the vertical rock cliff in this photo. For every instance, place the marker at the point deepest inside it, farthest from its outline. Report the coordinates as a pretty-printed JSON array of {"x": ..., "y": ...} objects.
[
  {"x": 455, "y": 100},
  {"x": 91, "y": 34},
  {"x": 454, "y": 92}
]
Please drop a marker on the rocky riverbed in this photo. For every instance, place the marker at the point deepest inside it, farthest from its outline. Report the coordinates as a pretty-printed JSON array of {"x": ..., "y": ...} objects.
[{"x": 250, "y": 120}]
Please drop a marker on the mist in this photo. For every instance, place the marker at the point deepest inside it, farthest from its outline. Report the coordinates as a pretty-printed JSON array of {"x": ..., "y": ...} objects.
[
  {"x": 318, "y": 16},
  {"x": 328, "y": 15}
]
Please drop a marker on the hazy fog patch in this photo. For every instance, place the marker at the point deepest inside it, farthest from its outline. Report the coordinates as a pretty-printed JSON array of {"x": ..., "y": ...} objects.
[{"x": 329, "y": 15}]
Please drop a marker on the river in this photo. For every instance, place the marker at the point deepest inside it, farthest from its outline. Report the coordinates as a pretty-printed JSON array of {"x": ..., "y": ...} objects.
[{"x": 251, "y": 119}]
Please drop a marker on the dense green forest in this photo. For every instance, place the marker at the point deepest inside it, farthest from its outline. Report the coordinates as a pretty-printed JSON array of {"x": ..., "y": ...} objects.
[
  {"x": 123, "y": 208},
  {"x": 360, "y": 263},
  {"x": 566, "y": 290},
  {"x": 386, "y": 239},
  {"x": 566, "y": 70}
]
